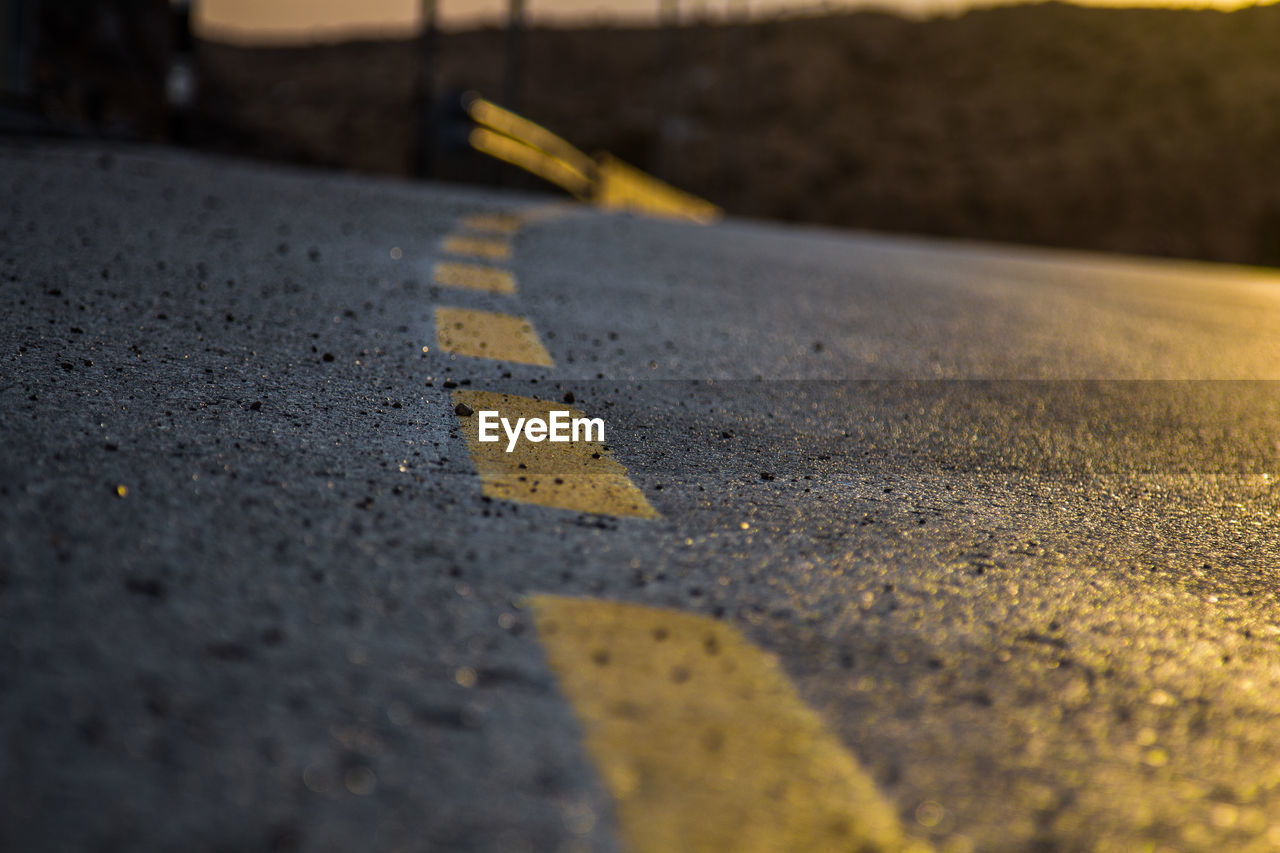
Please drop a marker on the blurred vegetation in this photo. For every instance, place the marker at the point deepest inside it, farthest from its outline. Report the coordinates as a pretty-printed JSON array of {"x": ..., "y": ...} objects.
[{"x": 1146, "y": 131}]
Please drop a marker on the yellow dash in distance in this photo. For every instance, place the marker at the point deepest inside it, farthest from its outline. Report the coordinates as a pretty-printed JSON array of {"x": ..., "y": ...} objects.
[
  {"x": 548, "y": 211},
  {"x": 497, "y": 223},
  {"x": 490, "y": 248},
  {"x": 532, "y": 159},
  {"x": 485, "y": 334},
  {"x": 474, "y": 277},
  {"x": 702, "y": 740},
  {"x": 580, "y": 476}
]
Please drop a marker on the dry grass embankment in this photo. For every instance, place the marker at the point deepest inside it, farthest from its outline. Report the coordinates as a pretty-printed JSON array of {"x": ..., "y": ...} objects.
[{"x": 1147, "y": 131}]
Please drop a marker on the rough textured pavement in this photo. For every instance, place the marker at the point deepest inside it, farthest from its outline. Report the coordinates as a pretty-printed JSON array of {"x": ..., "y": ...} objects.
[{"x": 1008, "y": 518}]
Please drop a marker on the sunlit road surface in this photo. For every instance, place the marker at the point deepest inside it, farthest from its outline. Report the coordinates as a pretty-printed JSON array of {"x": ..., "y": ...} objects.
[{"x": 890, "y": 542}]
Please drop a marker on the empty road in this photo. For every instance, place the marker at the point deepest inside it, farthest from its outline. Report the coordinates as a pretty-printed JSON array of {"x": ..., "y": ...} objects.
[{"x": 890, "y": 543}]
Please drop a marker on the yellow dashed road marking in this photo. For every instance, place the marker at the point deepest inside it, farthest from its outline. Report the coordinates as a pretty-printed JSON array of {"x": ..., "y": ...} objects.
[
  {"x": 492, "y": 248},
  {"x": 547, "y": 211},
  {"x": 534, "y": 160},
  {"x": 484, "y": 334},
  {"x": 474, "y": 277},
  {"x": 498, "y": 223},
  {"x": 580, "y": 476},
  {"x": 702, "y": 740}
]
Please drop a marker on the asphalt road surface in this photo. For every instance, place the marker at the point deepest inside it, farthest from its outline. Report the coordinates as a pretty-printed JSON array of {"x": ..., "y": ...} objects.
[{"x": 993, "y": 530}]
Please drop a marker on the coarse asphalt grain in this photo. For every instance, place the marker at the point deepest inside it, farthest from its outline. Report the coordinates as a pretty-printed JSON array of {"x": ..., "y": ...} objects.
[{"x": 1008, "y": 517}]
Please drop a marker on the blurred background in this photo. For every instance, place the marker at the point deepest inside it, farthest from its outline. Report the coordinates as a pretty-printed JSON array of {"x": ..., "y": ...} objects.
[{"x": 1140, "y": 129}]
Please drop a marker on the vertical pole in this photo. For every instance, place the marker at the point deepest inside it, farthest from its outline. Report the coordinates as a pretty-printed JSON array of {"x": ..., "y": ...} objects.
[
  {"x": 667, "y": 97},
  {"x": 734, "y": 58},
  {"x": 180, "y": 85},
  {"x": 10, "y": 10},
  {"x": 424, "y": 131},
  {"x": 17, "y": 52},
  {"x": 513, "y": 84}
]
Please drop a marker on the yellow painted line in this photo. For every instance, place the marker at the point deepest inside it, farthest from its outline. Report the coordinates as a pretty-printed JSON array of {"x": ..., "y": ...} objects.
[
  {"x": 702, "y": 740},
  {"x": 549, "y": 210},
  {"x": 485, "y": 334},
  {"x": 498, "y": 223},
  {"x": 474, "y": 277},
  {"x": 624, "y": 187},
  {"x": 579, "y": 476},
  {"x": 532, "y": 160},
  {"x": 481, "y": 247},
  {"x": 607, "y": 181},
  {"x": 520, "y": 129}
]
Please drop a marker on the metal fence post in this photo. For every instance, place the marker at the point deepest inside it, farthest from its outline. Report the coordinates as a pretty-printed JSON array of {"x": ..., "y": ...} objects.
[
  {"x": 513, "y": 82},
  {"x": 424, "y": 129},
  {"x": 666, "y": 97},
  {"x": 17, "y": 46},
  {"x": 180, "y": 81}
]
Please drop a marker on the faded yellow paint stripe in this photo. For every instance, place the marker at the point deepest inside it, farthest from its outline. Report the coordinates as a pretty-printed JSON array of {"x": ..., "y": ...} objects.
[
  {"x": 531, "y": 159},
  {"x": 526, "y": 133},
  {"x": 624, "y": 187},
  {"x": 485, "y": 334},
  {"x": 498, "y": 223},
  {"x": 544, "y": 212},
  {"x": 702, "y": 740},
  {"x": 491, "y": 248},
  {"x": 474, "y": 277},
  {"x": 581, "y": 476}
]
